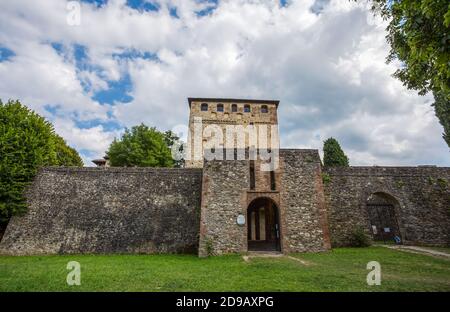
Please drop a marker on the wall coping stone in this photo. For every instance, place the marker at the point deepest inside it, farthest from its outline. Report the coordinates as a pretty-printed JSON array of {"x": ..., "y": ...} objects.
[
  {"x": 391, "y": 171},
  {"x": 198, "y": 171}
]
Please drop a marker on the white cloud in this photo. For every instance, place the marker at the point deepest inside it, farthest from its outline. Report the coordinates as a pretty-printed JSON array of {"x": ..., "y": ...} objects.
[
  {"x": 38, "y": 76},
  {"x": 328, "y": 70},
  {"x": 95, "y": 139}
]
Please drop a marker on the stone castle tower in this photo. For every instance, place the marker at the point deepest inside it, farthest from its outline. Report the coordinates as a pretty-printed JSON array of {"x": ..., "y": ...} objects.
[
  {"x": 209, "y": 117},
  {"x": 244, "y": 125}
]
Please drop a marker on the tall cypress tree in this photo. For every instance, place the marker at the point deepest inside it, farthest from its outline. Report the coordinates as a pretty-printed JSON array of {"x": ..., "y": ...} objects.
[{"x": 333, "y": 155}]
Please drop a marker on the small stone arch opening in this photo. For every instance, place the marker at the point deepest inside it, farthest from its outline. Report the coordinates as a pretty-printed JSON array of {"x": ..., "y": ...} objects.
[
  {"x": 263, "y": 225},
  {"x": 382, "y": 211}
]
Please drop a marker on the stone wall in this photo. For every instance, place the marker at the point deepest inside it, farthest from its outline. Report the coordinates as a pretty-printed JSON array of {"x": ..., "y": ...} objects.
[
  {"x": 421, "y": 194},
  {"x": 110, "y": 210},
  {"x": 223, "y": 198},
  {"x": 304, "y": 221},
  {"x": 298, "y": 195}
]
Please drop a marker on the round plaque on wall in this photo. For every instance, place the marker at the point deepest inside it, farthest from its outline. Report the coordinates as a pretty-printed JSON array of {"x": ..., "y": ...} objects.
[{"x": 240, "y": 219}]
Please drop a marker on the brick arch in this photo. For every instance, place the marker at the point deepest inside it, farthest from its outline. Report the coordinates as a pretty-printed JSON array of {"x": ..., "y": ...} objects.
[
  {"x": 264, "y": 197},
  {"x": 273, "y": 196}
]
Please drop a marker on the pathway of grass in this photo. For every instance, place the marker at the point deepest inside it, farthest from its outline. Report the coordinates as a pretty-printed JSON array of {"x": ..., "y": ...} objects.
[{"x": 342, "y": 269}]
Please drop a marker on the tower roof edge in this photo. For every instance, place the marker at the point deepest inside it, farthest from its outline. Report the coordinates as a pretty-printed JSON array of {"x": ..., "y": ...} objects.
[{"x": 250, "y": 101}]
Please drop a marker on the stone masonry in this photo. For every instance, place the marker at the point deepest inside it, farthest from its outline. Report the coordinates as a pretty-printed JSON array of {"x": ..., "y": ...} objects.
[
  {"x": 110, "y": 210},
  {"x": 223, "y": 200},
  {"x": 302, "y": 202},
  {"x": 420, "y": 195},
  {"x": 233, "y": 112}
]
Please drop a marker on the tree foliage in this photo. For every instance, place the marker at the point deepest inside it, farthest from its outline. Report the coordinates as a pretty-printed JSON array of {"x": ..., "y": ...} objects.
[
  {"x": 442, "y": 110},
  {"x": 27, "y": 142},
  {"x": 66, "y": 155},
  {"x": 419, "y": 35},
  {"x": 333, "y": 155},
  {"x": 142, "y": 146}
]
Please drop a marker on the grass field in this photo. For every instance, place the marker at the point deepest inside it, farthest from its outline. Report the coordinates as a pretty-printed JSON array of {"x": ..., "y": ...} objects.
[{"x": 342, "y": 269}]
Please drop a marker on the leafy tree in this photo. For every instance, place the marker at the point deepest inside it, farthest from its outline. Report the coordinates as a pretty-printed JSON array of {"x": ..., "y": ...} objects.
[
  {"x": 27, "y": 142},
  {"x": 66, "y": 155},
  {"x": 419, "y": 35},
  {"x": 333, "y": 155},
  {"x": 141, "y": 147}
]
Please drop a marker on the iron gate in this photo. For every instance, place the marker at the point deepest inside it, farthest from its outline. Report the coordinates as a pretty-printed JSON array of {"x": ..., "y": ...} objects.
[{"x": 383, "y": 222}]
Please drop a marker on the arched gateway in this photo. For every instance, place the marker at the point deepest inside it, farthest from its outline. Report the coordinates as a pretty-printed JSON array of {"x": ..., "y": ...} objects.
[
  {"x": 382, "y": 210},
  {"x": 263, "y": 225}
]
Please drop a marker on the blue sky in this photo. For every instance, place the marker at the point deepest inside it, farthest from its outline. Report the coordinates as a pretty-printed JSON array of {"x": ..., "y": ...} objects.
[
  {"x": 5, "y": 54},
  {"x": 133, "y": 61},
  {"x": 145, "y": 6}
]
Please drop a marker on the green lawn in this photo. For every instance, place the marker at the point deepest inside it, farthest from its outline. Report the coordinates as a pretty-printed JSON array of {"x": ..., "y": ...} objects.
[{"x": 342, "y": 269}]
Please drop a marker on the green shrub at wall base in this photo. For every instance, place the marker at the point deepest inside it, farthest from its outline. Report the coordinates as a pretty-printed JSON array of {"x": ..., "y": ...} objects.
[
  {"x": 209, "y": 247},
  {"x": 359, "y": 238}
]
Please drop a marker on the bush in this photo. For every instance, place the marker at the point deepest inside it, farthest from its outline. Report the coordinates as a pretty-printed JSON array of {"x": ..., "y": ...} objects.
[
  {"x": 359, "y": 238},
  {"x": 209, "y": 247}
]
